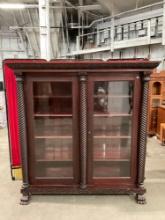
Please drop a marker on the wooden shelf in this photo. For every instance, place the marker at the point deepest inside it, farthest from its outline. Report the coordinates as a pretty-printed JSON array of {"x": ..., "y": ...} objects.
[
  {"x": 112, "y": 177},
  {"x": 111, "y": 160},
  {"x": 53, "y": 137},
  {"x": 47, "y": 96},
  {"x": 112, "y": 115},
  {"x": 53, "y": 178},
  {"x": 53, "y": 161},
  {"x": 53, "y": 115},
  {"x": 117, "y": 136},
  {"x": 114, "y": 96}
]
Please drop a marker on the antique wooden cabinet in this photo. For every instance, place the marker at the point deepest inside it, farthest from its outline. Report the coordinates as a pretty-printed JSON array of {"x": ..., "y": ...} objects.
[
  {"x": 156, "y": 99},
  {"x": 82, "y": 125}
]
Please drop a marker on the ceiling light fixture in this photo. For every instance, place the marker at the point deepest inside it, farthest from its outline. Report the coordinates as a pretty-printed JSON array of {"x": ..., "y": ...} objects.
[{"x": 11, "y": 6}]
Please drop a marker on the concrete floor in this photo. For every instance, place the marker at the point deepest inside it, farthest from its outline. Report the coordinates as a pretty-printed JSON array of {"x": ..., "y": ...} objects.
[{"x": 85, "y": 207}]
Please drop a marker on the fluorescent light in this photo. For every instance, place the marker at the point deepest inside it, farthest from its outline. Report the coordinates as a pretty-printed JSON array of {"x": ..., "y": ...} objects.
[{"x": 11, "y": 6}]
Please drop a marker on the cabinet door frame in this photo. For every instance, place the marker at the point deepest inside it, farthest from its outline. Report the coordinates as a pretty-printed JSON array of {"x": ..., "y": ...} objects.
[
  {"x": 115, "y": 181},
  {"x": 28, "y": 88}
]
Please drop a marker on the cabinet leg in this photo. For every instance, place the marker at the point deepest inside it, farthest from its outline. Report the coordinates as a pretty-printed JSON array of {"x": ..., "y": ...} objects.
[
  {"x": 140, "y": 199},
  {"x": 25, "y": 196},
  {"x": 24, "y": 200}
]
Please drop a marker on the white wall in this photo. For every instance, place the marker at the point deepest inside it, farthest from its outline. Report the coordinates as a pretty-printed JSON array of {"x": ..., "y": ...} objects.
[
  {"x": 11, "y": 46},
  {"x": 153, "y": 52}
]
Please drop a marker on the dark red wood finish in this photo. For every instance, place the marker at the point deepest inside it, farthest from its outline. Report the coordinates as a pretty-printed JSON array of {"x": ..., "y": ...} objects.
[
  {"x": 117, "y": 182},
  {"x": 95, "y": 70},
  {"x": 30, "y": 130}
]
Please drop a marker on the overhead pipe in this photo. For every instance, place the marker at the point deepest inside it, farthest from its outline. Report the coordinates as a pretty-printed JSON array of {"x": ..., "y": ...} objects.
[
  {"x": 98, "y": 20},
  {"x": 122, "y": 13}
]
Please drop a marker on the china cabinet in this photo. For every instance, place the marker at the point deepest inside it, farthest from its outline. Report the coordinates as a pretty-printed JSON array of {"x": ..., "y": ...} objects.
[{"x": 82, "y": 125}]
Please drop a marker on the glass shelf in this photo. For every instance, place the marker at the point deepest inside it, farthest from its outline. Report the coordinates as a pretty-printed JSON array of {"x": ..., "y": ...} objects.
[
  {"x": 114, "y": 96},
  {"x": 111, "y": 160},
  {"x": 53, "y": 137},
  {"x": 54, "y": 178},
  {"x": 117, "y": 136},
  {"x": 61, "y": 160},
  {"x": 52, "y": 162},
  {"x": 51, "y": 97},
  {"x": 53, "y": 115},
  {"x": 111, "y": 115}
]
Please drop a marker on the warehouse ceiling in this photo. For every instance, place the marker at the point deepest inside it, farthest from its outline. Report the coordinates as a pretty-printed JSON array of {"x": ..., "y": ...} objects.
[
  {"x": 75, "y": 14},
  {"x": 110, "y": 5},
  {"x": 95, "y": 8},
  {"x": 120, "y": 5},
  {"x": 92, "y": 10}
]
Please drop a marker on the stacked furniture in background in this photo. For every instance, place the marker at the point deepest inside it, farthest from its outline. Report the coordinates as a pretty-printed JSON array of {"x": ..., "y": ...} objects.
[
  {"x": 161, "y": 124},
  {"x": 156, "y": 100}
]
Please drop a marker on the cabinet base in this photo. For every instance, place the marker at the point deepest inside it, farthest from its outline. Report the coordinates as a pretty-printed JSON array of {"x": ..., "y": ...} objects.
[
  {"x": 89, "y": 190},
  {"x": 42, "y": 190},
  {"x": 140, "y": 199}
]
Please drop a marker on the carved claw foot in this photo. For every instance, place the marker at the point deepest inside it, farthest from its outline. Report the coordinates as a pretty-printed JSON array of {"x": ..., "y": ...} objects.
[
  {"x": 140, "y": 199},
  {"x": 24, "y": 200}
]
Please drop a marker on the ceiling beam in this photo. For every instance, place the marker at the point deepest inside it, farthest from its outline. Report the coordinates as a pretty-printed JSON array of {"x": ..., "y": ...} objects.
[
  {"x": 24, "y": 6},
  {"x": 90, "y": 7},
  {"x": 110, "y": 6}
]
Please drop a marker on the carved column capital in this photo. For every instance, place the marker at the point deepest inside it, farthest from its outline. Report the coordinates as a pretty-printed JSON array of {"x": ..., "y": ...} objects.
[
  {"x": 83, "y": 78},
  {"x": 146, "y": 78},
  {"x": 19, "y": 78}
]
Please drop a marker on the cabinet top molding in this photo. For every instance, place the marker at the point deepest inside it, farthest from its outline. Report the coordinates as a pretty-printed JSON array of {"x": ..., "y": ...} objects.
[{"x": 121, "y": 65}]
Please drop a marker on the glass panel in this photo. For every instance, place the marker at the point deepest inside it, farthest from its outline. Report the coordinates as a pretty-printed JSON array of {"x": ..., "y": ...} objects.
[
  {"x": 113, "y": 98},
  {"x": 112, "y": 124},
  {"x": 112, "y": 149},
  {"x": 53, "y": 125},
  {"x": 53, "y": 129}
]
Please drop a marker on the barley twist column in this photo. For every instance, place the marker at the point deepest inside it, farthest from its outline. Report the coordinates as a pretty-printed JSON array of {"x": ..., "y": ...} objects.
[
  {"x": 83, "y": 130},
  {"x": 23, "y": 139},
  {"x": 142, "y": 140}
]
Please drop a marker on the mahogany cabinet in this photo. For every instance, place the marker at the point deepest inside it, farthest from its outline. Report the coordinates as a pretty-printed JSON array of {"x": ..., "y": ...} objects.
[{"x": 82, "y": 126}]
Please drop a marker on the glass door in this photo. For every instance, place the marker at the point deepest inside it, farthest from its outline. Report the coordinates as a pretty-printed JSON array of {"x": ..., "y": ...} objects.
[
  {"x": 111, "y": 130},
  {"x": 54, "y": 131}
]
